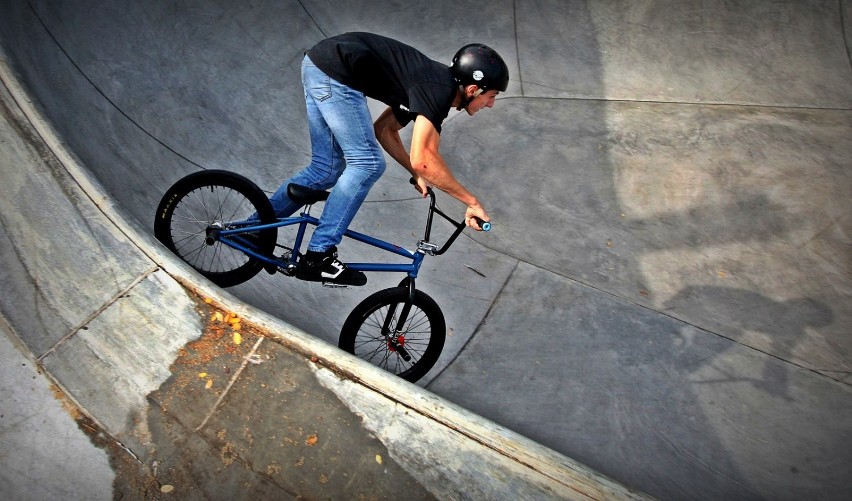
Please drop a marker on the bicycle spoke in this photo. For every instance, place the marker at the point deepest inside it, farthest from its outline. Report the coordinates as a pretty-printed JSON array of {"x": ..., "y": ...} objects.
[
  {"x": 371, "y": 345},
  {"x": 203, "y": 202}
]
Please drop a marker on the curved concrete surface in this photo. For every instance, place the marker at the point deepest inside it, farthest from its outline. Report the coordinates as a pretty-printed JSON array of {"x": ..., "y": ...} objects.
[
  {"x": 666, "y": 293},
  {"x": 125, "y": 337}
]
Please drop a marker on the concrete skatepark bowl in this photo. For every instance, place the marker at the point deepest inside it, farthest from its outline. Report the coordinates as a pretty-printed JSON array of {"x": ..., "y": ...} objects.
[{"x": 665, "y": 296}]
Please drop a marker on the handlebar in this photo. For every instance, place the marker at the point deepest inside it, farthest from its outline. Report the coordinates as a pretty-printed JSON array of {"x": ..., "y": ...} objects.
[{"x": 485, "y": 225}]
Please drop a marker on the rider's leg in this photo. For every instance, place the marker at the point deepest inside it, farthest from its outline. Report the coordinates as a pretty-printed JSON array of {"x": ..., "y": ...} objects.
[
  {"x": 327, "y": 162},
  {"x": 347, "y": 122},
  {"x": 347, "y": 118}
]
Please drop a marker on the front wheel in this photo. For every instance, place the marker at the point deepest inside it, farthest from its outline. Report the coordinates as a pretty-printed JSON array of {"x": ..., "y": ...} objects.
[
  {"x": 199, "y": 204},
  {"x": 421, "y": 336}
]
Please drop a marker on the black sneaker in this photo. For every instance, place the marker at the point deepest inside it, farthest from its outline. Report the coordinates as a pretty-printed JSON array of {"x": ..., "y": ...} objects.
[{"x": 325, "y": 267}]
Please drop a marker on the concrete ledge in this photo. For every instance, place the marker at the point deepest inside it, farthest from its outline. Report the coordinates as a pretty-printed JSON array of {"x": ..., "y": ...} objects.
[{"x": 93, "y": 359}]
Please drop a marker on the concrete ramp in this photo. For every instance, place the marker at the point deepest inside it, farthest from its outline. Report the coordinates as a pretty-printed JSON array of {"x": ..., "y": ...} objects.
[
  {"x": 194, "y": 393},
  {"x": 665, "y": 296}
]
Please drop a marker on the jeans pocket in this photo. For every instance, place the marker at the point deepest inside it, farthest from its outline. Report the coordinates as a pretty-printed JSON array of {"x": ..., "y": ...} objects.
[
  {"x": 320, "y": 90},
  {"x": 319, "y": 86}
]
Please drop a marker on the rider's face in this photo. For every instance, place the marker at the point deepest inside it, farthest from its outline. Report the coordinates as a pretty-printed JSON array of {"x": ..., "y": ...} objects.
[{"x": 484, "y": 100}]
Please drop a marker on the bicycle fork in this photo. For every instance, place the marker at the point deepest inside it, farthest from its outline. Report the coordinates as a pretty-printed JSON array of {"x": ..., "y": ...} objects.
[{"x": 393, "y": 334}]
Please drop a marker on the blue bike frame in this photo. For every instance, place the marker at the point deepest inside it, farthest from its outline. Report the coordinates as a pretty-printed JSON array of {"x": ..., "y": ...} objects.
[{"x": 304, "y": 219}]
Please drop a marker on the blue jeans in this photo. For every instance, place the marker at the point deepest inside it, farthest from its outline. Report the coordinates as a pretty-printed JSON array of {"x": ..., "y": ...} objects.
[{"x": 344, "y": 154}]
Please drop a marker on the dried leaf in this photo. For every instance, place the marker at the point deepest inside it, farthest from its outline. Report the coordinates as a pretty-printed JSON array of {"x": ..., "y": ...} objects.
[
  {"x": 312, "y": 440},
  {"x": 379, "y": 458},
  {"x": 202, "y": 375},
  {"x": 237, "y": 338},
  {"x": 209, "y": 384},
  {"x": 165, "y": 489}
]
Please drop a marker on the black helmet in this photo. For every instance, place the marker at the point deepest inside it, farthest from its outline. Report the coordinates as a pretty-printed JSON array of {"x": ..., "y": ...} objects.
[{"x": 478, "y": 64}]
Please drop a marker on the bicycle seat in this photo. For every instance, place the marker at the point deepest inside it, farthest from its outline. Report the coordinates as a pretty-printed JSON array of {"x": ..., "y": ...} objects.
[{"x": 304, "y": 195}]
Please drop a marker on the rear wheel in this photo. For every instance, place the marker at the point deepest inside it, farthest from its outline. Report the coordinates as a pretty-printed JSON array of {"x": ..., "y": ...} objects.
[
  {"x": 421, "y": 336},
  {"x": 202, "y": 203}
]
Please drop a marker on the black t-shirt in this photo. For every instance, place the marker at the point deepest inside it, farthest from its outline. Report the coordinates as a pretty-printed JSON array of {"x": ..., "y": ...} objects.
[{"x": 390, "y": 71}]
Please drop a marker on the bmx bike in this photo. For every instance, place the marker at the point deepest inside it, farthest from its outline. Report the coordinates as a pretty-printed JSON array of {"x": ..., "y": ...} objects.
[{"x": 223, "y": 225}]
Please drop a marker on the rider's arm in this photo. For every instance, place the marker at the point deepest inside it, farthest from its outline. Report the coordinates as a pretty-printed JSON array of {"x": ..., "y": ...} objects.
[
  {"x": 387, "y": 129},
  {"x": 427, "y": 163}
]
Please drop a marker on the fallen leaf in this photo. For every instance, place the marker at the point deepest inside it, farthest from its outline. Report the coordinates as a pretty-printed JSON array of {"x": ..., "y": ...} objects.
[
  {"x": 273, "y": 469},
  {"x": 209, "y": 384},
  {"x": 208, "y": 300},
  {"x": 237, "y": 338},
  {"x": 217, "y": 317},
  {"x": 312, "y": 440},
  {"x": 379, "y": 458},
  {"x": 202, "y": 375},
  {"x": 165, "y": 489}
]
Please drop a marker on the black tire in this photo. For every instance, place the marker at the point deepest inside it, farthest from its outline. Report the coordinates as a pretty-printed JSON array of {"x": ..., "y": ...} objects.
[
  {"x": 209, "y": 197},
  {"x": 423, "y": 335}
]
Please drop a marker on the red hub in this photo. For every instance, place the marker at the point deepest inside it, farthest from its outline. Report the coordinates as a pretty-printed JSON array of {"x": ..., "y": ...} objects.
[{"x": 400, "y": 341}]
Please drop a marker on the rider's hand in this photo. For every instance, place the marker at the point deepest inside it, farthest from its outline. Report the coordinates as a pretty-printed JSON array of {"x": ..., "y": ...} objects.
[
  {"x": 420, "y": 185},
  {"x": 478, "y": 211}
]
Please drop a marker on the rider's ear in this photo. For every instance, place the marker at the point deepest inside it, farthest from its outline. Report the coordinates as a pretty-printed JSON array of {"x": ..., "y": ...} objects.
[{"x": 472, "y": 91}]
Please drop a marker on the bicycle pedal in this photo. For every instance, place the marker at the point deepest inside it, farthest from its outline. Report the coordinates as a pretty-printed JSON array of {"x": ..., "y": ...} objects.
[{"x": 273, "y": 268}]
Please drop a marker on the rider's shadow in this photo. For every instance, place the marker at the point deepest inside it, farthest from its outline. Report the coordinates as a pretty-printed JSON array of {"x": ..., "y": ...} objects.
[{"x": 776, "y": 328}]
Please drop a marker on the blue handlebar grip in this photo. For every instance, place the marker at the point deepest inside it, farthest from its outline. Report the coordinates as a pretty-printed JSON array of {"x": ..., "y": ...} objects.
[{"x": 485, "y": 225}]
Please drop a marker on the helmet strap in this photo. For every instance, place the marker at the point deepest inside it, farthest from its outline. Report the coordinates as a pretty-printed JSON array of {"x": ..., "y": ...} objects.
[{"x": 466, "y": 100}]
